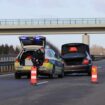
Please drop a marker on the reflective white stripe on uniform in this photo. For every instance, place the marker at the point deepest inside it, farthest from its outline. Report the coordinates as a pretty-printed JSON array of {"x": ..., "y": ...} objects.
[
  {"x": 33, "y": 77},
  {"x": 33, "y": 72},
  {"x": 94, "y": 76}
]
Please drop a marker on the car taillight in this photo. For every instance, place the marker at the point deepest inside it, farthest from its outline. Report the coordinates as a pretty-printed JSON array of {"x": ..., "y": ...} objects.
[
  {"x": 85, "y": 61},
  {"x": 46, "y": 60}
]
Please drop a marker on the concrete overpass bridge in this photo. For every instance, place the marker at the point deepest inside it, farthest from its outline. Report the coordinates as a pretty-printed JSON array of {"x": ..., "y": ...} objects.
[{"x": 53, "y": 26}]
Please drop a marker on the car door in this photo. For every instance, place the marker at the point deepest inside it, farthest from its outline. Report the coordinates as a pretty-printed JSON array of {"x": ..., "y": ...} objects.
[{"x": 58, "y": 63}]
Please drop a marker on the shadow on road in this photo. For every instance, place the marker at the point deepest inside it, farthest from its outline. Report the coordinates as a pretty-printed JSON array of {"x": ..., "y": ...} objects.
[{"x": 75, "y": 74}]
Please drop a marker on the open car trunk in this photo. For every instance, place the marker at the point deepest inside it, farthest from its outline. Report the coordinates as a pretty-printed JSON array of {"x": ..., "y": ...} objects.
[
  {"x": 28, "y": 58},
  {"x": 25, "y": 60},
  {"x": 74, "y": 53},
  {"x": 74, "y": 58},
  {"x": 33, "y": 50},
  {"x": 77, "y": 61}
]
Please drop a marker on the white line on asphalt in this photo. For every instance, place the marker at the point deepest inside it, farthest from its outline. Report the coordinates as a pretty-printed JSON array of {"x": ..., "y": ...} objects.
[
  {"x": 4, "y": 75},
  {"x": 40, "y": 83}
]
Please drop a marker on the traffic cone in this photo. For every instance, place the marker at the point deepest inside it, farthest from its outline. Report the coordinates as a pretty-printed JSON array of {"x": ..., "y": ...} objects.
[
  {"x": 94, "y": 77},
  {"x": 33, "y": 75}
]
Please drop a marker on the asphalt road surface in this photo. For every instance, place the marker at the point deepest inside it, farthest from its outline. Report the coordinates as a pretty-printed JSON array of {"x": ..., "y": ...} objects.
[{"x": 71, "y": 90}]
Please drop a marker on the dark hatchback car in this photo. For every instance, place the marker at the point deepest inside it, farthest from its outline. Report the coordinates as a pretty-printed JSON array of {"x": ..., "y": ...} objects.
[{"x": 77, "y": 58}]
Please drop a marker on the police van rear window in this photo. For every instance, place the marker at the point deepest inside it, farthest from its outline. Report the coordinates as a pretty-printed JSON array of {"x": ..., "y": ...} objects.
[{"x": 32, "y": 42}]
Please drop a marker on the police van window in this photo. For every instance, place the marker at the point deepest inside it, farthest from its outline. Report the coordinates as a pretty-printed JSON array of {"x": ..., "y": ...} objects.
[
  {"x": 48, "y": 53},
  {"x": 32, "y": 42},
  {"x": 52, "y": 53}
]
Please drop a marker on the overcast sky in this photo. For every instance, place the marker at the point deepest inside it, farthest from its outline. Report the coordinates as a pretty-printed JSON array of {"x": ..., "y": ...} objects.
[{"x": 53, "y": 9}]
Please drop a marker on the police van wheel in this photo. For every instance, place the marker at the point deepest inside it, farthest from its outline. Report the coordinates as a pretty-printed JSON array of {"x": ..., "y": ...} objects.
[
  {"x": 61, "y": 75},
  {"x": 52, "y": 75},
  {"x": 28, "y": 76},
  {"x": 17, "y": 76}
]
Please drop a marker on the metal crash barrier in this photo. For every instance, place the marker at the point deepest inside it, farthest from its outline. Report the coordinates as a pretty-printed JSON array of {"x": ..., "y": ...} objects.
[
  {"x": 6, "y": 64},
  {"x": 97, "y": 57}
]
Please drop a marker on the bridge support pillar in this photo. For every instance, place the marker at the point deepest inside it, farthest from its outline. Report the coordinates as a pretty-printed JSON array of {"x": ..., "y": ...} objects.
[{"x": 86, "y": 39}]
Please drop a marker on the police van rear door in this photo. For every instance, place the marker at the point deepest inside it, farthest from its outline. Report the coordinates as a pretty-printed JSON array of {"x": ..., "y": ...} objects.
[{"x": 32, "y": 42}]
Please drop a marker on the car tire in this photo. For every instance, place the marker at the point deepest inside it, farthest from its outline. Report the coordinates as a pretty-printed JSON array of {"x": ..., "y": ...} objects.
[
  {"x": 52, "y": 75},
  {"x": 89, "y": 72},
  {"x": 17, "y": 76},
  {"x": 28, "y": 76}
]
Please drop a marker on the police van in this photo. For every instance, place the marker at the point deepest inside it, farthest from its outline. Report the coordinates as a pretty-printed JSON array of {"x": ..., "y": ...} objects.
[{"x": 32, "y": 54}]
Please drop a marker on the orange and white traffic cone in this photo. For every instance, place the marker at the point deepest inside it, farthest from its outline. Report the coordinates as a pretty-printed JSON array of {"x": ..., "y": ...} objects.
[
  {"x": 33, "y": 75},
  {"x": 94, "y": 77}
]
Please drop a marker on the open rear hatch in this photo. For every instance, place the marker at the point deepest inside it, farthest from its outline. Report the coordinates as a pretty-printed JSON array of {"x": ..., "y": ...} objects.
[
  {"x": 74, "y": 58},
  {"x": 33, "y": 49},
  {"x": 74, "y": 53},
  {"x": 32, "y": 42}
]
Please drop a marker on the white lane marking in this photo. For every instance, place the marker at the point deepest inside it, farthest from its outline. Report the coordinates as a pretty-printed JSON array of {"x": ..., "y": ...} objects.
[
  {"x": 4, "y": 75},
  {"x": 40, "y": 83}
]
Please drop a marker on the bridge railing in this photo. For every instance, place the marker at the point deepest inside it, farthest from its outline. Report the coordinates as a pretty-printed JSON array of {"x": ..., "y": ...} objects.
[{"x": 52, "y": 21}]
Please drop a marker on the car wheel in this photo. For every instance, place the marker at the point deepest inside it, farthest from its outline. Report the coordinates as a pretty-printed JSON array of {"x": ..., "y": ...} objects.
[
  {"x": 28, "y": 76},
  {"x": 17, "y": 76},
  {"x": 52, "y": 75},
  {"x": 89, "y": 72}
]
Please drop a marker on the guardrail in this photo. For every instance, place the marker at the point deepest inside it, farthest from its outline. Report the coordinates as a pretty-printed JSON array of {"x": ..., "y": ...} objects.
[
  {"x": 7, "y": 64},
  {"x": 97, "y": 57},
  {"x": 6, "y": 67},
  {"x": 52, "y": 21}
]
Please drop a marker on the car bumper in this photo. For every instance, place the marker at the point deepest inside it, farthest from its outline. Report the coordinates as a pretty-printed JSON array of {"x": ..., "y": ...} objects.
[
  {"x": 44, "y": 71},
  {"x": 23, "y": 72},
  {"x": 77, "y": 68}
]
